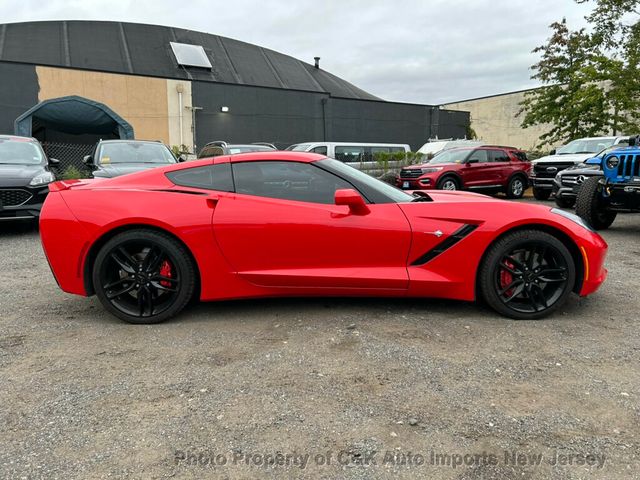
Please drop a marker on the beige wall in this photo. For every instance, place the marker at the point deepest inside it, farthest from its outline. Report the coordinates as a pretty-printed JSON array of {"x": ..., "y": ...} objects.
[
  {"x": 495, "y": 120},
  {"x": 150, "y": 105}
]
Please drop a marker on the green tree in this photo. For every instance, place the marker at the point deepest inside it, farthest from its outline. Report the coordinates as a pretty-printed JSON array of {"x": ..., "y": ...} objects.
[{"x": 573, "y": 99}]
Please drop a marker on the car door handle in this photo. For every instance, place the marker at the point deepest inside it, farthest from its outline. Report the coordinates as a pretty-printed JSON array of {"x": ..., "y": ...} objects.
[{"x": 437, "y": 233}]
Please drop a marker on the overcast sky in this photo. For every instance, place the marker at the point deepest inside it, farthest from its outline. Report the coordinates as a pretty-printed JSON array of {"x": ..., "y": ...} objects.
[{"x": 420, "y": 51}]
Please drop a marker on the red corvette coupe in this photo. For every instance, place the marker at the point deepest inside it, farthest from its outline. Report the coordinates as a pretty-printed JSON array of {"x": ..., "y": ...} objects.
[{"x": 289, "y": 223}]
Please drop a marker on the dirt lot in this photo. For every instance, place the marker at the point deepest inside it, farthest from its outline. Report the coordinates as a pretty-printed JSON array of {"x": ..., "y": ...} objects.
[{"x": 319, "y": 388}]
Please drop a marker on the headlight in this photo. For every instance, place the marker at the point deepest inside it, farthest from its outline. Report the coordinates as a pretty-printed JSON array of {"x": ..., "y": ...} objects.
[
  {"x": 612, "y": 162},
  {"x": 42, "y": 179},
  {"x": 431, "y": 169},
  {"x": 573, "y": 218}
]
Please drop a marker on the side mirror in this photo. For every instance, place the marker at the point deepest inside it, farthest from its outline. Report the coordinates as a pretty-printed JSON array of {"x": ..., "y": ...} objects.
[
  {"x": 353, "y": 200},
  {"x": 471, "y": 160},
  {"x": 87, "y": 160},
  {"x": 182, "y": 157},
  {"x": 54, "y": 161},
  {"x": 594, "y": 161},
  {"x": 552, "y": 152}
]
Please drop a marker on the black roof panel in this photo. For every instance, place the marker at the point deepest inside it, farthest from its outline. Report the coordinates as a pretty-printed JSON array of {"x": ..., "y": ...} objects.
[{"x": 144, "y": 50}]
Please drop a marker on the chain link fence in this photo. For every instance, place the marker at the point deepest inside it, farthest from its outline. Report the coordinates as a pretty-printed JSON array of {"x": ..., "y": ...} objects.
[{"x": 70, "y": 156}]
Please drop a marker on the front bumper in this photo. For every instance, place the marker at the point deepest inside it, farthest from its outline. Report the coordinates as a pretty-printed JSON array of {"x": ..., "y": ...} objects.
[
  {"x": 541, "y": 183},
  {"x": 594, "y": 250},
  {"x": 11, "y": 206},
  {"x": 421, "y": 183}
]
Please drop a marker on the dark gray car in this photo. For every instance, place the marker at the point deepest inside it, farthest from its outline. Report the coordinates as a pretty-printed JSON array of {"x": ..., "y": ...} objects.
[
  {"x": 25, "y": 174},
  {"x": 113, "y": 158}
]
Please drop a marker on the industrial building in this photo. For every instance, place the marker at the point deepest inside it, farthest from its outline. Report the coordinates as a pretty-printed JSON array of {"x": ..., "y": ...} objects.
[{"x": 74, "y": 82}]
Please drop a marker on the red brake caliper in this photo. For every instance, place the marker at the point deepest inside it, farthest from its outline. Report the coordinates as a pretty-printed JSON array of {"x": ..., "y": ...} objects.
[
  {"x": 506, "y": 278},
  {"x": 165, "y": 271}
]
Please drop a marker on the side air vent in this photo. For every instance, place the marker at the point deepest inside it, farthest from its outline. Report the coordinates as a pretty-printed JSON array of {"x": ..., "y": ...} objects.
[{"x": 446, "y": 244}]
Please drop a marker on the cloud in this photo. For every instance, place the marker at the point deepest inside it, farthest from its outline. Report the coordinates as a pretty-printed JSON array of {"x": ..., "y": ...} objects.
[{"x": 413, "y": 51}]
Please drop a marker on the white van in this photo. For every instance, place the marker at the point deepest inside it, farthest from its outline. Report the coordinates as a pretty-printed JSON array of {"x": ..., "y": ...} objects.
[
  {"x": 358, "y": 155},
  {"x": 437, "y": 146}
]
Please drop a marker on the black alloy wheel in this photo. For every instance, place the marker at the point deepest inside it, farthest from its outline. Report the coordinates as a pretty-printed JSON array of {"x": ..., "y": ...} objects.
[
  {"x": 143, "y": 276},
  {"x": 527, "y": 275}
]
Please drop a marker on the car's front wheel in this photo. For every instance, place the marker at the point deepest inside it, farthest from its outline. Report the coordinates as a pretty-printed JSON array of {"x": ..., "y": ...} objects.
[
  {"x": 143, "y": 276},
  {"x": 565, "y": 202},
  {"x": 448, "y": 183},
  {"x": 527, "y": 275},
  {"x": 516, "y": 187},
  {"x": 541, "y": 194},
  {"x": 590, "y": 206}
]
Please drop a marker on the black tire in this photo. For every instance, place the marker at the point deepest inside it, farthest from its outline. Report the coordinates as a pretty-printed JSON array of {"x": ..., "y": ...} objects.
[
  {"x": 590, "y": 206},
  {"x": 541, "y": 194},
  {"x": 565, "y": 202},
  {"x": 448, "y": 182},
  {"x": 516, "y": 186},
  {"x": 527, "y": 275},
  {"x": 154, "y": 273}
]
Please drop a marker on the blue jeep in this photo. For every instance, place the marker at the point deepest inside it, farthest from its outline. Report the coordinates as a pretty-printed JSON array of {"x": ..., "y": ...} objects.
[{"x": 601, "y": 198}]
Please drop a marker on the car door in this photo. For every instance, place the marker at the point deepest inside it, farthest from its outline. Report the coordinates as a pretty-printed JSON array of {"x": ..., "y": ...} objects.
[
  {"x": 501, "y": 167},
  {"x": 476, "y": 169},
  {"x": 283, "y": 229}
]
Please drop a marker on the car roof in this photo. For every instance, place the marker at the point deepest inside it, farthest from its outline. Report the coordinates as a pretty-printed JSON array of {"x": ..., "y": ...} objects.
[{"x": 124, "y": 140}]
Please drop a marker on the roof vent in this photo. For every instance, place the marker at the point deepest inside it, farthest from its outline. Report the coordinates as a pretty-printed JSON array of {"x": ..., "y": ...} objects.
[
  {"x": 317, "y": 59},
  {"x": 190, "y": 55}
]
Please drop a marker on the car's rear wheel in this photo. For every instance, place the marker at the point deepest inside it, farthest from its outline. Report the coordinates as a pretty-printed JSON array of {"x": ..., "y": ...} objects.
[
  {"x": 448, "y": 183},
  {"x": 590, "y": 206},
  {"x": 541, "y": 194},
  {"x": 527, "y": 275},
  {"x": 516, "y": 187},
  {"x": 143, "y": 276}
]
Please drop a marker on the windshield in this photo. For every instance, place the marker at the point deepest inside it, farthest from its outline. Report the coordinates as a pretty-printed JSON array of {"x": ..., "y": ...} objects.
[
  {"x": 20, "y": 152},
  {"x": 593, "y": 145},
  {"x": 356, "y": 177},
  {"x": 123, "y": 152},
  {"x": 450, "y": 156}
]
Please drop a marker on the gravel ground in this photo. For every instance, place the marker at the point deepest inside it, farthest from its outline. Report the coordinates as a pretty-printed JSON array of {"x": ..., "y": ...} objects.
[{"x": 321, "y": 388}]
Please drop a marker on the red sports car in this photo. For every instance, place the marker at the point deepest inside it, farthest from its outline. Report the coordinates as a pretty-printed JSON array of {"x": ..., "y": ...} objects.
[{"x": 289, "y": 223}]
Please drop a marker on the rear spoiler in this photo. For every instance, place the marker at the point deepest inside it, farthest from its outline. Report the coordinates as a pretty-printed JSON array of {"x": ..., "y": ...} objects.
[{"x": 66, "y": 184}]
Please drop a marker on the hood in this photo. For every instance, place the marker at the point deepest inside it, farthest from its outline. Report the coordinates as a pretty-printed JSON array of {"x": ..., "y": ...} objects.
[
  {"x": 574, "y": 157},
  {"x": 18, "y": 175},
  {"x": 581, "y": 168},
  {"x": 116, "y": 170},
  {"x": 432, "y": 165}
]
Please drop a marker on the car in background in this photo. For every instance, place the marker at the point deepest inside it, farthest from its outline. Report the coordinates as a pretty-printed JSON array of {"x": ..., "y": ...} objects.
[
  {"x": 25, "y": 173},
  {"x": 600, "y": 199},
  {"x": 217, "y": 148},
  {"x": 362, "y": 156},
  {"x": 349, "y": 152},
  {"x": 432, "y": 148},
  {"x": 487, "y": 169},
  {"x": 545, "y": 169},
  {"x": 112, "y": 158},
  {"x": 567, "y": 182}
]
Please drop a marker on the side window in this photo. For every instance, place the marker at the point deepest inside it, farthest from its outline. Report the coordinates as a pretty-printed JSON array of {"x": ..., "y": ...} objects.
[
  {"x": 210, "y": 177},
  {"x": 480, "y": 156},
  {"x": 349, "y": 154},
  {"x": 396, "y": 149},
  {"x": 498, "y": 156},
  {"x": 321, "y": 150},
  {"x": 297, "y": 181}
]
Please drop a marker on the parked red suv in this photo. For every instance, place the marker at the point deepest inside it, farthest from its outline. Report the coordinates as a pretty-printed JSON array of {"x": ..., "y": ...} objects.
[{"x": 486, "y": 169}]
